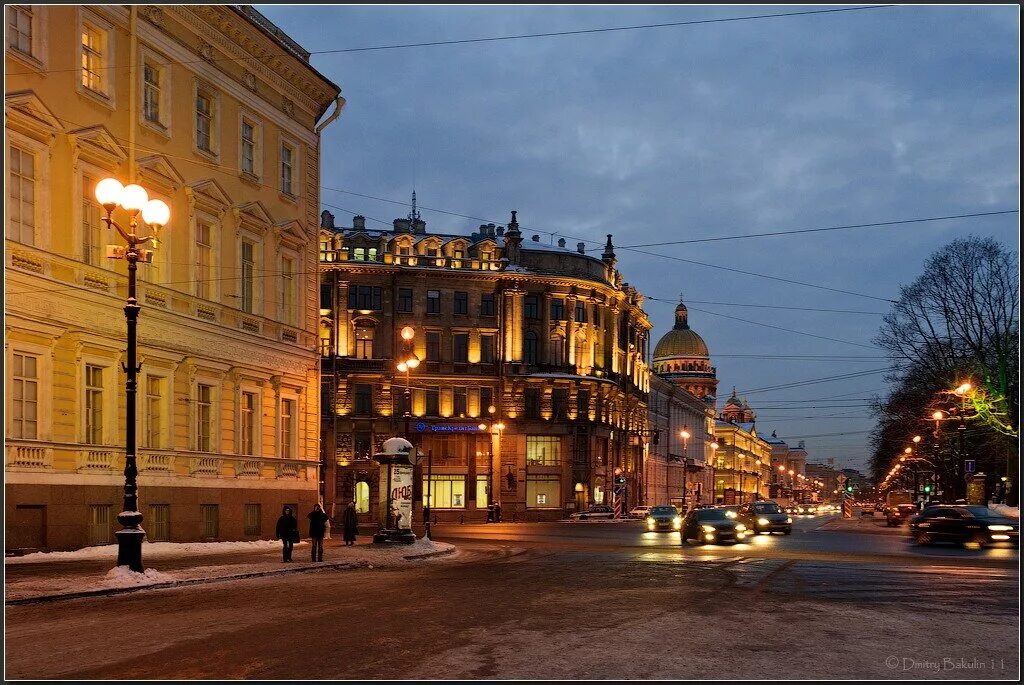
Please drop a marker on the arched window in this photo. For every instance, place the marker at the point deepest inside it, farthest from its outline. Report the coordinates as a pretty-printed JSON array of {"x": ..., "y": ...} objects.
[
  {"x": 530, "y": 348},
  {"x": 362, "y": 497}
]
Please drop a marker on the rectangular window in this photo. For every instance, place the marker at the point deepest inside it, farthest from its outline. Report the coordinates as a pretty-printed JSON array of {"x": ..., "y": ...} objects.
[
  {"x": 457, "y": 256},
  {"x": 543, "y": 450},
  {"x": 581, "y": 312},
  {"x": 204, "y": 417},
  {"x": 93, "y": 48},
  {"x": 531, "y": 308},
  {"x": 21, "y": 197},
  {"x": 364, "y": 399},
  {"x": 93, "y": 404},
  {"x": 251, "y": 520},
  {"x": 433, "y": 402},
  {"x": 559, "y": 403},
  {"x": 365, "y": 297},
  {"x": 557, "y": 309},
  {"x": 459, "y": 404},
  {"x": 153, "y": 433},
  {"x": 401, "y": 402},
  {"x": 486, "y": 401},
  {"x": 19, "y": 28},
  {"x": 248, "y": 274},
  {"x": 433, "y": 302},
  {"x": 483, "y": 487},
  {"x": 460, "y": 348},
  {"x": 486, "y": 349},
  {"x": 530, "y": 348},
  {"x": 364, "y": 342},
  {"x": 433, "y": 346},
  {"x": 359, "y": 254},
  {"x": 247, "y": 425},
  {"x": 405, "y": 300},
  {"x": 583, "y": 405},
  {"x": 204, "y": 258},
  {"x": 92, "y": 224},
  {"x": 25, "y": 397},
  {"x": 362, "y": 445},
  {"x": 288, "y": 290},
  {"x": 151, "y": 92},
  {"x": 445, "y": 492},
  {"x": 99, "y": 524},
  {"x": 287, "y": 169},
  {"x": 287, "y": 428},
  {"x": 487, "y": 304},
  {"x": 531, "y": 403},
  {"x": 543, "y": 492},
  {"x": 461, "y": 303},
  {"x": 248, "y": 147},
  {"x": 158, "y": 525},
  {"x": 204, "y": 121},
  {"x": 210, "y": 516}
]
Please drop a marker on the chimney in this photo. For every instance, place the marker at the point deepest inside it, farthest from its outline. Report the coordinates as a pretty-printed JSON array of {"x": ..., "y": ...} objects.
[
  {"x": 359, "y": 222},
  {"x": 581, "y": 248},
  {"x": 535, "y": 238},
  {"x": 326, "y": 219},
  {"x": 500, "y": 231},
  {"x": 402, "y": 226},
  {"x": 419, "y": 226},
  {"x": 561, "y": 242}
]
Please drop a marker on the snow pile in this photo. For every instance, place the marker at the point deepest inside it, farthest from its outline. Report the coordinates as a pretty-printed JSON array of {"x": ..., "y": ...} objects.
[
  {"x": 157, "y": 550},
  {"x": 427, "y": 545},
  {"x": 1005, "y": 510},
  {"x": 122, "y": 576}
]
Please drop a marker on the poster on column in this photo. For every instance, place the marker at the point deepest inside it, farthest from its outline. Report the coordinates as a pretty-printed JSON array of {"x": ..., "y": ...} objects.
[{"x": 401, "y": 493}]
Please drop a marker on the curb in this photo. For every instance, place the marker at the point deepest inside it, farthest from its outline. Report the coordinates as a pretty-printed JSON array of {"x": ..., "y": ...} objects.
[{"x": 105, "y": 592}]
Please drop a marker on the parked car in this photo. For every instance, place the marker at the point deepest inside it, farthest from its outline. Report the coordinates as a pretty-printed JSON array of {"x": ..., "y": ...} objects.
[
  {"x": 664, "y": 517},
  {"x": 639, "y": 512},
  {"x": 600, "y": 511},
  {"x": 766, "y": 517},
  {"x": 900, "y": 514},
  {"x": 963, "y": 524},
  {"x": 712, "y": 526}
]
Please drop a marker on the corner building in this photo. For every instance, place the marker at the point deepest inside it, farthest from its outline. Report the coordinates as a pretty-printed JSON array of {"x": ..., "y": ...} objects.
[
  {"x": 213, "y": 110},
  {"x": 532, "y": 387}
]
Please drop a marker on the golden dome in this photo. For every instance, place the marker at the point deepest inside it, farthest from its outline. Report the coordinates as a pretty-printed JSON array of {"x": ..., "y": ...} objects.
[{"x": 681, "y": 341}]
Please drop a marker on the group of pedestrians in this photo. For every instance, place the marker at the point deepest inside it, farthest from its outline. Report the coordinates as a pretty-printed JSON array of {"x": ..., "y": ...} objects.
[{"x": 288, "y": 529}]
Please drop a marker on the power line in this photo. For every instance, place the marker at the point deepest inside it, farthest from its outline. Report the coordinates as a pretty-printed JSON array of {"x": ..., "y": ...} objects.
[
  {"x": 812, "y": 381},
  {"x": 491, "y": 39},
  {"x": 769, "y": 306},
  {"x": 787, "y": 330},
  {"x": 828, "y": 228}
]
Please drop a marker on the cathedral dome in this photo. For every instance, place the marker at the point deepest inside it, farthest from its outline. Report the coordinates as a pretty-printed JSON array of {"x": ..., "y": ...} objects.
[{"x": 681, "y": 341}]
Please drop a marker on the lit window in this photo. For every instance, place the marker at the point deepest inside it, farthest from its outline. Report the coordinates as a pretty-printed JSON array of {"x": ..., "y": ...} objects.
[
  {"x": 93, "y": 47},
  {"x": 364, "y": 342},
  {"x": 21, "y": 195},
  {"x": 543, "y": 450},
  {"x": 445, "y": 492},
  {"x": 92, "y": 224},
  {"x": 543, "y": 492},
  {"x": 25, "y": 397}
]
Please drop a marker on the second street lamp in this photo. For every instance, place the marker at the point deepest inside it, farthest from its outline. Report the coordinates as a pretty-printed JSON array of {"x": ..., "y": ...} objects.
[{"x": 134, "y": 199}]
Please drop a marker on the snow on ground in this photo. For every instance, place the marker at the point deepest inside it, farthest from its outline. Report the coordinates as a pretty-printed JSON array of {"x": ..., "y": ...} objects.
[
  {"x": 122, "y": 576},
  {"x": 1004, "y": 510},
  {"x": 150, "y": 550}
]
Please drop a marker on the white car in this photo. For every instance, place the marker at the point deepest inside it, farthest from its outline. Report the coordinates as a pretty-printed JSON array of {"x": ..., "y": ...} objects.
[
  {"x": 597, "y": 512},
  {"x": 639, "y": 512}
]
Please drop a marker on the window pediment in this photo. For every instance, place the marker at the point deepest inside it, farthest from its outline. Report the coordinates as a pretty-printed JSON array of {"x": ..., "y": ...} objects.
[
  {"x": 159, "y": 172},
  {"x": 253, "y": 216},
  {"x": 290, "y": 234},
  {"x": 208, "y": 196},
  {"x": 97, "y": 146},
  {"x": 27, "y": 114}
]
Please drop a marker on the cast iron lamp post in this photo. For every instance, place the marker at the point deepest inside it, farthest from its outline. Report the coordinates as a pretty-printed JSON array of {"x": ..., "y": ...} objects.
[{"x": 134, "y": 199}]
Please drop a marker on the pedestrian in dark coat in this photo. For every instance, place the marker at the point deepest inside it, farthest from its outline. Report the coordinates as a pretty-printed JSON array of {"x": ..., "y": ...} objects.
[
  {"x": 317, "y": 530},
  {"x": 350, "y": 524},
  {"x": 287, "y": 532}
]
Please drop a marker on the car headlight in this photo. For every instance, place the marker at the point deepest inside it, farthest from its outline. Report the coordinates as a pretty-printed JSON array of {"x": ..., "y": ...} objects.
[
  {"x": 763, "y": 521},
  {"x": 1000, "y": 527},
  {"x": 650, "y": 520},
  {"x": 789, "y": 520},
  {"x": 740, "y": 526},
  {"x": 677, "y": 521},
  {"x": 708, "y": 529},
  {"x": 730, "y": 514}
]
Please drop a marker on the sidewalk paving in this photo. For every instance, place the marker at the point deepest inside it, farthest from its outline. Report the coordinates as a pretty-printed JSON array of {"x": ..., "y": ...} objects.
[{"x": 91, "y": 571}]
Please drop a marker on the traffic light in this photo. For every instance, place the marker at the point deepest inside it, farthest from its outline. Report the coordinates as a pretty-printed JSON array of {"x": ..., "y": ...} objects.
[
  {"x": 927, "y": 488},
  {"x": 620, "y": 480},
  {"x": 849, "y": 488}
]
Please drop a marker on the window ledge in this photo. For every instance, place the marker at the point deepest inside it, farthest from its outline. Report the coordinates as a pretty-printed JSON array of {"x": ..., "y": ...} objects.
[
  {"x": 250, "y": 178},
  {"x": 156, "y": 127},
  {"x": 31, "y": 61},
  {"x": 97, "y": 96},
  {"x": 211, "y": 155},
  {"x": 288, "y": 197}
]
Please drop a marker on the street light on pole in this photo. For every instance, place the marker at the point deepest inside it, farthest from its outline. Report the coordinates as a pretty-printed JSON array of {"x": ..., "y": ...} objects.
[
  {"x": 685, "y": 435},
  {"x": 134, "y": 199}
]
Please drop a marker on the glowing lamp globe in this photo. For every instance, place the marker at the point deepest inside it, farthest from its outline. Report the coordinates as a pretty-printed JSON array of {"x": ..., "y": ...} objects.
[
  {"x": 412, "y": 362},
  {"x": 408, "y": 333},
  {"x": 108, "y": 192},
  {"x": 134, "y": 198},
  {"x": 402, "y": 367},
  {"x": 156, "y": 213}
]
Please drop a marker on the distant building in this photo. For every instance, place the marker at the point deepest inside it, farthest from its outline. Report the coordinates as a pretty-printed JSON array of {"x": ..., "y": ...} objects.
[
  {"x": 826, "y": 474},
  {"x": 743, "y": 459},
  {"x": 681, "y": 356},
  {"x": 677, "y": 469}
]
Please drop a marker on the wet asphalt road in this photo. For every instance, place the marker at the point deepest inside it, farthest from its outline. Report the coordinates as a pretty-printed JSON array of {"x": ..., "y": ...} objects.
[{"x": 563, "y": 601}]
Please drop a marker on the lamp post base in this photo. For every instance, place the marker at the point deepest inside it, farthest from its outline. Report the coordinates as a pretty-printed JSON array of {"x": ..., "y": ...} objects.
[
  {"x": 403, "y": 536},
  {"x": 129, "y": 548}
]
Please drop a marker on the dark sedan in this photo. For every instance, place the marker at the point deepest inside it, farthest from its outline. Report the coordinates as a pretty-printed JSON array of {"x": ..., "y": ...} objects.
[
  {"x": 963, "y": 524},
  {"x": 713, "y": 526},
  {"x": 664, "y": 517},
  {"x": 899, "y": 514},
  {"x": 766, "y": 517}
]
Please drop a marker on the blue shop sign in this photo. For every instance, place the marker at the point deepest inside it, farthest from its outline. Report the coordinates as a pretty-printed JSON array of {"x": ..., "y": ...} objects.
[{"x": 447, "y": 427}]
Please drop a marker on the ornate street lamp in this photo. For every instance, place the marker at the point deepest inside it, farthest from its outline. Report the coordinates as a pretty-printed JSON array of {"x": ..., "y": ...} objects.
[{"x": 134, "y": 199}]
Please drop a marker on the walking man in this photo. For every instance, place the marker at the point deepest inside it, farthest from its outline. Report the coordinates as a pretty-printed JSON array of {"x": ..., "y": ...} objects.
[
  {"x": 287, "y": 532},
  {"x": 317, "y": 530},
  {"x": 350, "y": 524}
]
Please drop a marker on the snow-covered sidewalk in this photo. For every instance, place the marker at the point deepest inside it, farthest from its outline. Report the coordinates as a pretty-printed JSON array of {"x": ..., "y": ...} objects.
[{"x": 49, "y": 576}]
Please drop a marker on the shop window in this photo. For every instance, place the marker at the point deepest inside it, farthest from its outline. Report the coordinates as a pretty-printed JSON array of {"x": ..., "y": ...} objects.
[
  {"x": 445, "y": 492},
  {"x": 483, "y": 487},
  {"x": 543, "y": 492},
  {"x": 362, "y": 497},
  {"x": 543, "y": 450}
]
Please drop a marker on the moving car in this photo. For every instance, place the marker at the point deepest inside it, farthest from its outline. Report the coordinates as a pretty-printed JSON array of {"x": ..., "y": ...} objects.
[
  {"x": 964, "y": 524},
  {"x": 766, "y": 517},
  {"x": 639, "y": 512},
  {"x": 664, "y": 517},
  {"x": 600, "y": 511},
  {"x": 900, "y": 514},
  {"x": 712, "y": 526},
  {"x": 801, "y": 510}
]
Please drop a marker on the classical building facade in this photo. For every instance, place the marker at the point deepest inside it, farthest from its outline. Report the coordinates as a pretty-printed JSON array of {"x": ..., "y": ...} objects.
[
  {"x": 677, "y": 467},
  {"x": 681, "y": 356},
  {"x": 743, "y": 459},
  {"x": 531, "y": 390},
  {"x": 213, "y": 110}
]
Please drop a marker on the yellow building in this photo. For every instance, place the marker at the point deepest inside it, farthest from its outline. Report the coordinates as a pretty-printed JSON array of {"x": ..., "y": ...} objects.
[
  {"x": 213, "y": 110},
  {"x": 742, "y": 467}
]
